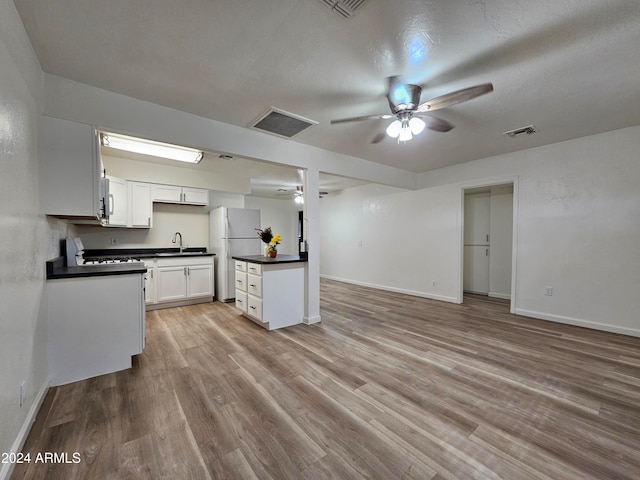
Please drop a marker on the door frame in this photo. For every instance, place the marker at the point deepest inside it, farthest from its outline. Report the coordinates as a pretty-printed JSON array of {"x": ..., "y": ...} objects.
[{"x": 490, "y": 182}]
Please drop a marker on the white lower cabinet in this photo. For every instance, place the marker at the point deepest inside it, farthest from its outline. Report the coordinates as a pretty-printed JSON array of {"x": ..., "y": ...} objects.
[
  {"x": 172, "y": 283},
  {"x": 179, "y": 279},
  {"x": 272, "y": 295},
  {"x": 90, "y": 335}
]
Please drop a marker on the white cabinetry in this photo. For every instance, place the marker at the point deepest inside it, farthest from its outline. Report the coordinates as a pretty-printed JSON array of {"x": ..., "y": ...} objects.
[
  {"x": 184, "y": 195},
  {"x": 72, "y": 183},
  {"x": 129, "y": 204},
  {"x": 118, "y": 202},
  {"x": 272, "y": 295},
  {"x": 89, "y": 336},
  {"x": 180, "y": 279},
  {"x": 141, "y": 207}
]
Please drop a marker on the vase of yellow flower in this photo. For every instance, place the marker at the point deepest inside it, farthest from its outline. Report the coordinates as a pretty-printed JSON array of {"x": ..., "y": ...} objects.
[
  {"x": 273, "y": 245},
  {"x": 266, "y": 236}
]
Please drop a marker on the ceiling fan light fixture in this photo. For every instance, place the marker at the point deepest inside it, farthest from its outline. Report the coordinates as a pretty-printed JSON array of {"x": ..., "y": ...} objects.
[
  {"x": 405, "y": 134},
  {"x": 393, "y": 130},
  {"x": 416, "y": 125}
]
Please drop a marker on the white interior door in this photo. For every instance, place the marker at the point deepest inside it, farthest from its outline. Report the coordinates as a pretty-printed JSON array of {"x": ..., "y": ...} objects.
[{"x": 476, "y": 269}]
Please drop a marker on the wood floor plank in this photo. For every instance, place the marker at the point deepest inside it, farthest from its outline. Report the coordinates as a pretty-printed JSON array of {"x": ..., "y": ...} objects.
[{"x": 386, "y": 386}]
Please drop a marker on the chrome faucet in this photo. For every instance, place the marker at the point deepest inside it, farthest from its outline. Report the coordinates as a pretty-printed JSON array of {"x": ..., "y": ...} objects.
[{"x": 174, "y": 240}]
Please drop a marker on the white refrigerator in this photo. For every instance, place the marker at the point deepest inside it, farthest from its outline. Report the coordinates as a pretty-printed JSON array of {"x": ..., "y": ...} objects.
[{"x": 232, "y": 232}]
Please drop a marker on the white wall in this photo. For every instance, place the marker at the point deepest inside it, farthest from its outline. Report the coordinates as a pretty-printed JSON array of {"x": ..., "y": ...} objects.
[
  {"x": 190, "y": 220},
  {"x": 577, "y": 228},
  {"x": 282, "y": 217},
  {"x": 27, "y": 239},
  {"x": 393, "y": 239}
]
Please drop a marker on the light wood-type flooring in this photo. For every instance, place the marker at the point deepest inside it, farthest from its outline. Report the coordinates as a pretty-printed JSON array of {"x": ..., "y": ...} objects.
[{"x": 386, "y": 387}]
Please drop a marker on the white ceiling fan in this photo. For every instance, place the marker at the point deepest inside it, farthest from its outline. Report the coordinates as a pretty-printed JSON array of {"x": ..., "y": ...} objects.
[
  {"x": 411, "y": 116},
  {"x": 298, "y": 194}
]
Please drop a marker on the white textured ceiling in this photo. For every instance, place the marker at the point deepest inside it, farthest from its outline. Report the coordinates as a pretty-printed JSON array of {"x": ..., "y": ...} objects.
[{"x": 571, "y": 67}]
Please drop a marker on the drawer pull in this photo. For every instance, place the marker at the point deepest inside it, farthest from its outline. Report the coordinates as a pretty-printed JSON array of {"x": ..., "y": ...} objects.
[
  {"x": 239, "y": 301},
  {"x": 252, "y": 307},
  {"x": 252, "y": 285},
  {"x": 239, "y": 281}
]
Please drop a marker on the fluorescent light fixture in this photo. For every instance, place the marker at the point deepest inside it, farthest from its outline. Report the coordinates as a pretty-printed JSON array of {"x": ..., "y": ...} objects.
[{"x": 149, "y": 147}]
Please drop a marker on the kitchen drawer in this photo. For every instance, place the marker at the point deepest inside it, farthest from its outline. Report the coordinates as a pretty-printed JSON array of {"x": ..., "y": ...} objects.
[
  {"x": 241, "y": 266},
  {"x": 241, "y": 281},
  {"x": 241, "y": 300},
  {"x": 254, "y": 268},
  {"x": 254, "y": 284},
  {"x": 254, "y": 307}
]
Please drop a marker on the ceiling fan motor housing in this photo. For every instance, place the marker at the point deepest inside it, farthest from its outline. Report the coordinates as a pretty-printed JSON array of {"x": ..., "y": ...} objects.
[{"x": 404, "y": 98}]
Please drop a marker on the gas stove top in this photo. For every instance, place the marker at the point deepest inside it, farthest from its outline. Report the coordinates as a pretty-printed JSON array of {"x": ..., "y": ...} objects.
[{"x": 109, "y": 261}]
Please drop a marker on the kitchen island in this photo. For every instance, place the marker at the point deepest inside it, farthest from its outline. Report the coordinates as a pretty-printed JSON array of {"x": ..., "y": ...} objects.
[{"x": 270, "y": 291}]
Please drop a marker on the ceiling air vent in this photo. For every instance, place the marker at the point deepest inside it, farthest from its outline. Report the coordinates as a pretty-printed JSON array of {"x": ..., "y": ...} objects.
[
  {"x": 344, "y": 8},
  {"x": 530, "y": 130},
  {"x": 281, "y": 123}
]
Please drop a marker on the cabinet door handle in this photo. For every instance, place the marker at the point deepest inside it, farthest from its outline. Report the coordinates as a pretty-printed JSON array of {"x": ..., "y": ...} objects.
[
  {"x": 188, "y": 271},
  {"x": 487, "y": 252},
  {"x": 252, "y": 285},
  {"x": 151, "y": 272},
  {"x": 251, "y": 306},
  {"x": 111, "y": 204}
]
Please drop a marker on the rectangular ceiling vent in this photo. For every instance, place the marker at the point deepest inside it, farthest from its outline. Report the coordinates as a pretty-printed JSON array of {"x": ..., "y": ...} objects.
[
  {"x": 529, "y": 130},
  {"x": 281, "y": 123},
  {"x": 344, "y": 8}
]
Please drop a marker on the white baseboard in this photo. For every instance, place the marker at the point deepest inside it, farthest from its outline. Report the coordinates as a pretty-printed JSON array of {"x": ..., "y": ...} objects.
[
  {"x": 504, "y": 296},
  {"x": 634, "y": 332},
  {"x": 393, "y": 289},
  {"x": 7, "y": 469},
  {"x": 311, "y": 320}
]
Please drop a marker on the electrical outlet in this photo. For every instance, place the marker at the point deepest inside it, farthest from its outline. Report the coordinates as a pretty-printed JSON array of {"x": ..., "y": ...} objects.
[
  {"x": 434, "y": 283},
  {"x": 548, "y": 291},
  {"x": 22, "y": 393}
]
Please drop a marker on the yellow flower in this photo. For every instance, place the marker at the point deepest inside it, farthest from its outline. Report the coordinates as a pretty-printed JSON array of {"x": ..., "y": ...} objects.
[{"x": 277, "y": 238}]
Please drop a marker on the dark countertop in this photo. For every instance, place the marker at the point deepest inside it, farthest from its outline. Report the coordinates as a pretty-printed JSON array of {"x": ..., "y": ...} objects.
[
  {"x": 146, "y": 252},
  {"x": 56, "y": 269},
  {"x": 261, "y": 259}
]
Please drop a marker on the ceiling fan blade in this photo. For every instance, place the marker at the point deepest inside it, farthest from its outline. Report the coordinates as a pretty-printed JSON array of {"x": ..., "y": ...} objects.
[
  {"x": 380, "y": 136},
  {"x": 453, "y": 98},
  {"x": 435, "y": 123},
  {"x": 357, "y": 119}
]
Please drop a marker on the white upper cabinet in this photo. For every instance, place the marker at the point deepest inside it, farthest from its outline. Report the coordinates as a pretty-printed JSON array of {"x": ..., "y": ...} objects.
[
  {"x": 195, "y": 196},
  {"x": 129, "y": 204},
  {"x": 182, "y": 195},
  {"x": 72, "y": 177},
  {"x": 166, "y": 193},
  {"x": 141, "y": 207},
  {"x": 118, "y": 202}
]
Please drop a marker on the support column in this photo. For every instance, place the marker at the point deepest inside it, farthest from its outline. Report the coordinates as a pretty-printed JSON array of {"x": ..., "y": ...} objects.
[{"x": 312, "y": 236}]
